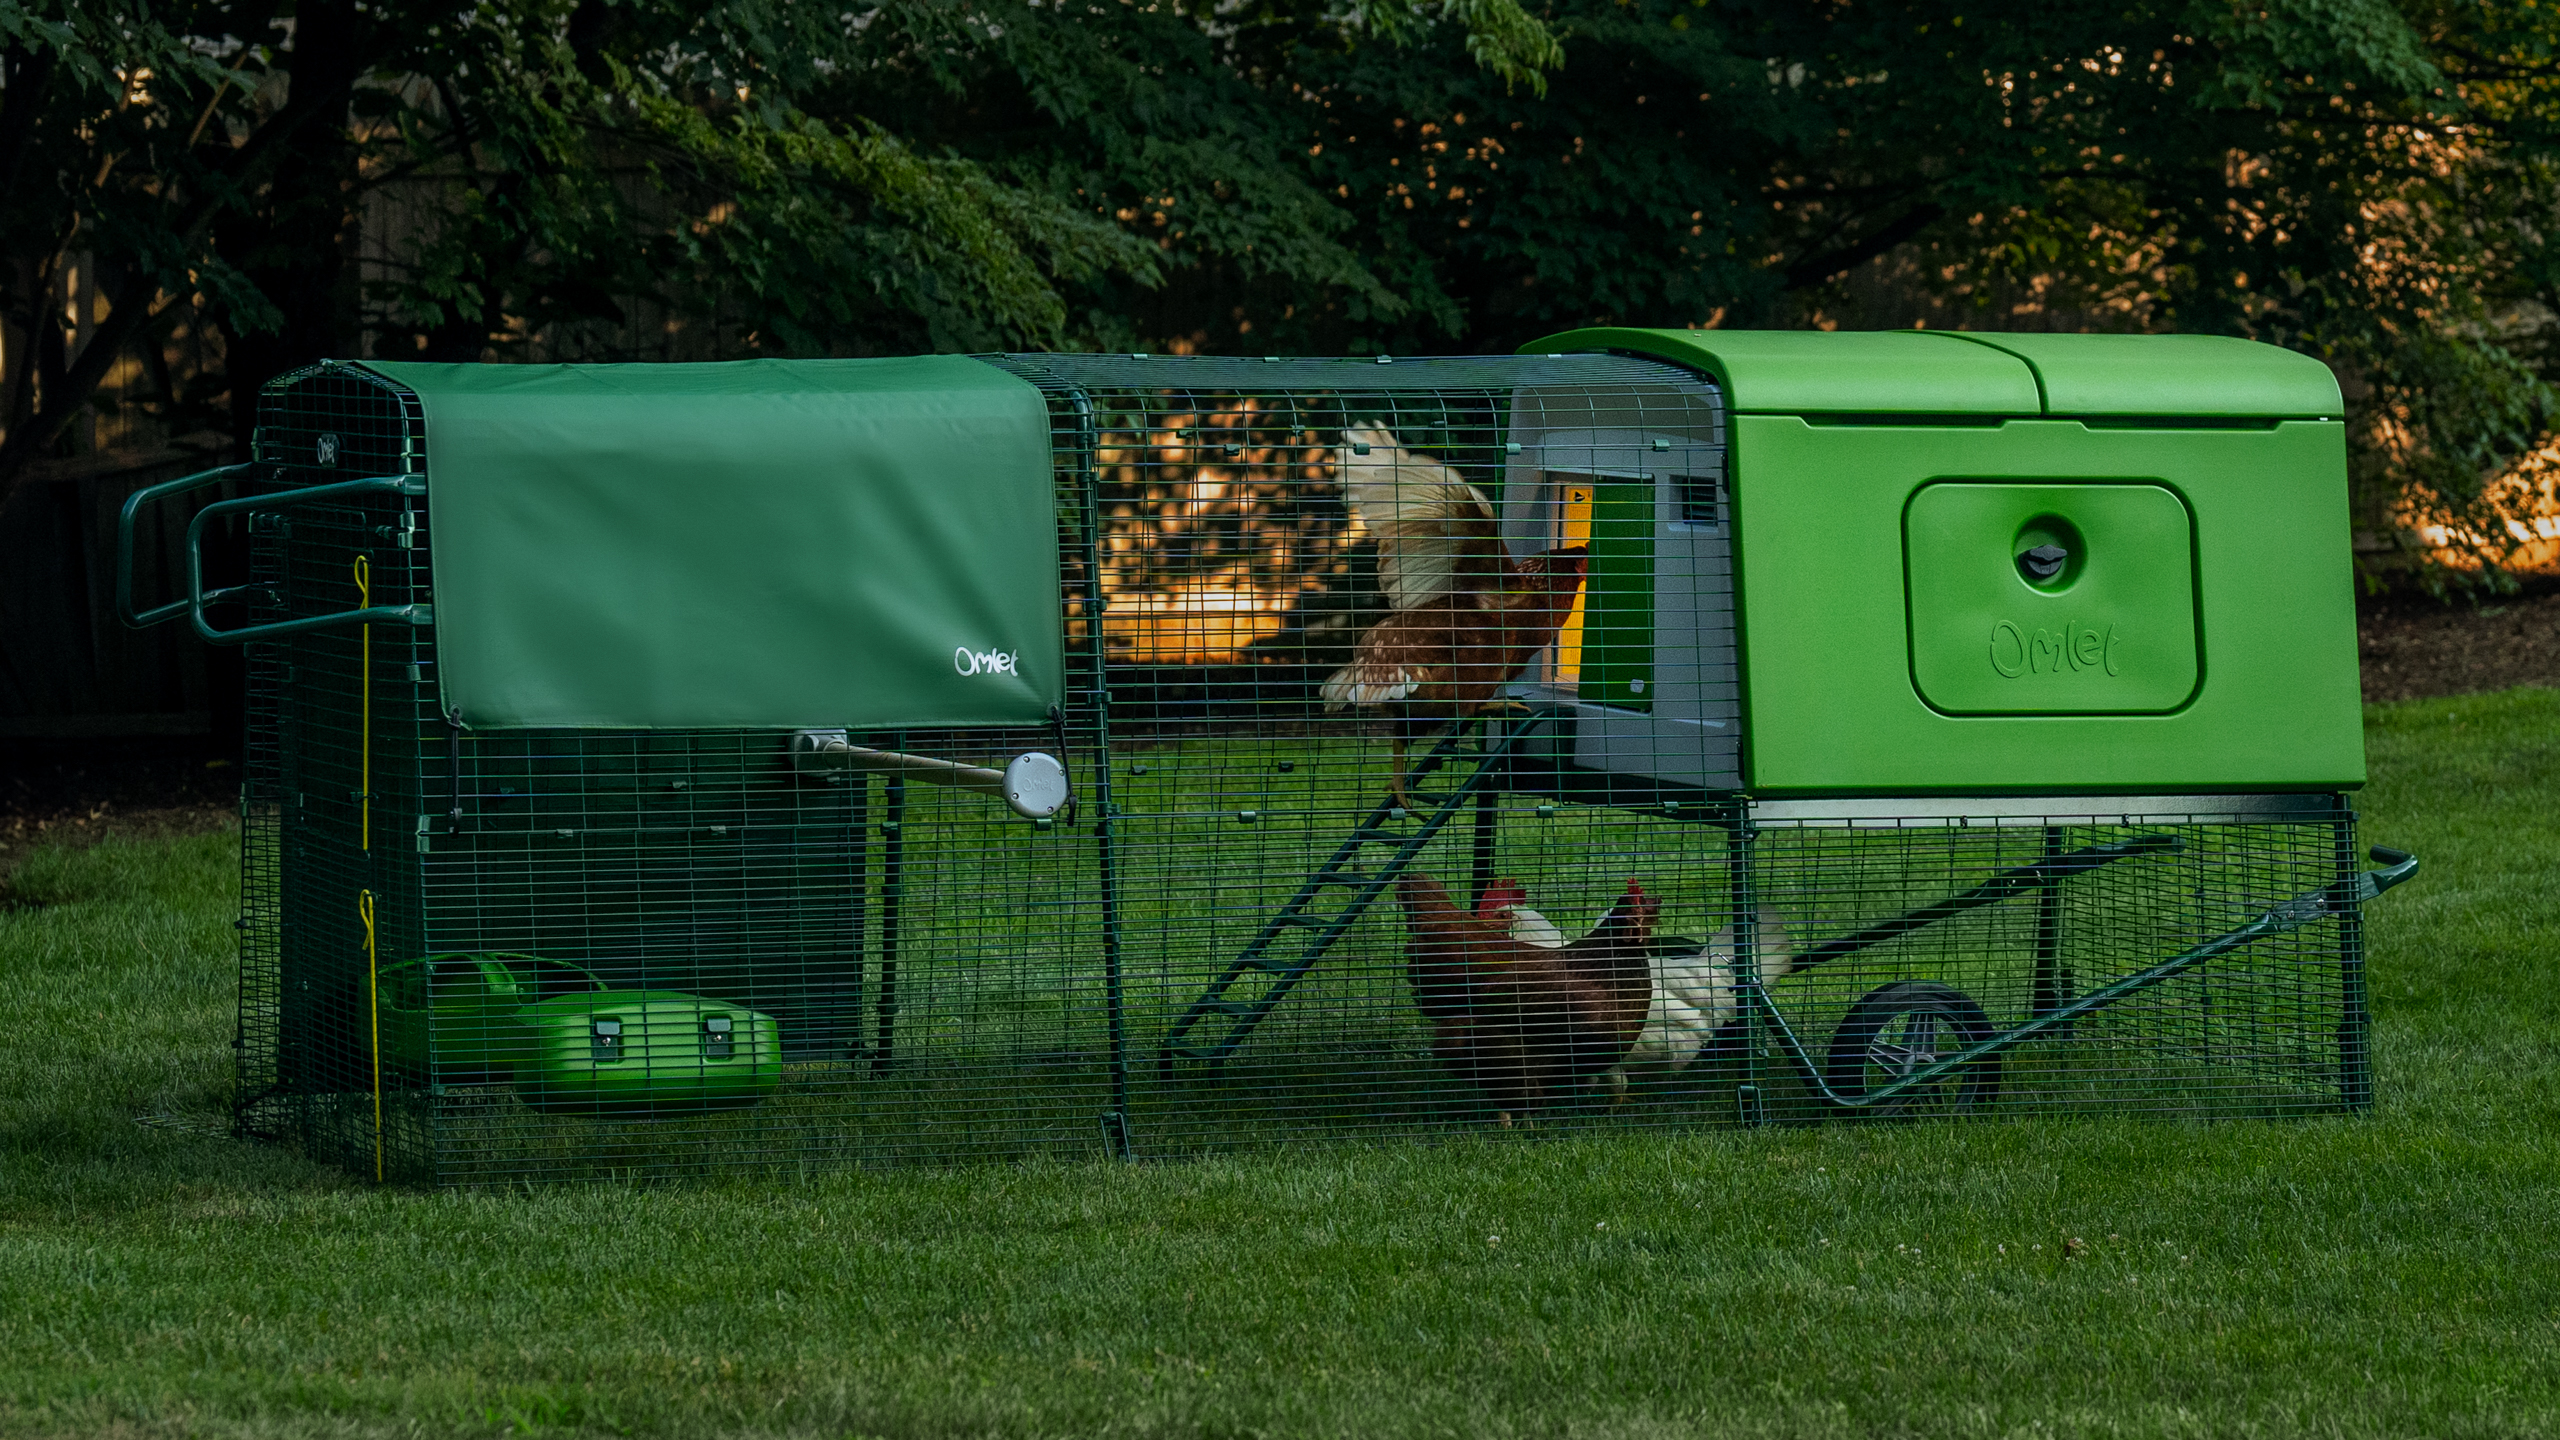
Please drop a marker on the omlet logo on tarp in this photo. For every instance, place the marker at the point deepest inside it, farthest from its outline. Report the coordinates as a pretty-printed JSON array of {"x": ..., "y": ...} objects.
[{"x": 984, "y": 662}]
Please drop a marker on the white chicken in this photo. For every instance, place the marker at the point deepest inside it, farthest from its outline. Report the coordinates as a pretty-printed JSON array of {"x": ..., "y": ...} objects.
[{"x": 1693, "y": 989}]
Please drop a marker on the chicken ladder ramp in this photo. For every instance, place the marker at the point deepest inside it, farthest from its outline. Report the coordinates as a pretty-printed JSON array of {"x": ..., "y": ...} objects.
[{"x": 1315, "y": 929}]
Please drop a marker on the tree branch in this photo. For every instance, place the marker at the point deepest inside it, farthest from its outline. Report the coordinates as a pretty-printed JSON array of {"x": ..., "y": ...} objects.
[
  {"x": 129, "y": 310},
  {"x": 1832, "y": 264}
]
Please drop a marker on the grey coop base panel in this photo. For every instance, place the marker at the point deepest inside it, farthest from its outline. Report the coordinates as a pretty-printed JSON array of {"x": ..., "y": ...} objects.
[
  {"x": 1706, "y": 755},
  {"x": 1869, "y": 812}
]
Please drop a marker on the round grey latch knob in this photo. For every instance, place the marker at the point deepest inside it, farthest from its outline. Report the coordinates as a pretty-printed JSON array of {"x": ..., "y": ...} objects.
[
  {"x": 1035, "y": 785},
  {"x": 2043, "y": 562}
]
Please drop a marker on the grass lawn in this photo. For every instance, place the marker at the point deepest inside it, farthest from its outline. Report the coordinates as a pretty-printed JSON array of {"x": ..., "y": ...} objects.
[{"x": 2391, "y": 1274}]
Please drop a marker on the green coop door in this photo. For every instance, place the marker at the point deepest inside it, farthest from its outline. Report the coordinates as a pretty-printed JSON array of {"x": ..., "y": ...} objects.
[
  {"x": 2051, "y": 599},
  {"x": 1604, "y": 652}
]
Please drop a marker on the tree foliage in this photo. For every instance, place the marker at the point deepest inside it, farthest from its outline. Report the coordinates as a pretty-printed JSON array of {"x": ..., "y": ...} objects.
[{"x": 2367, "y": 181}]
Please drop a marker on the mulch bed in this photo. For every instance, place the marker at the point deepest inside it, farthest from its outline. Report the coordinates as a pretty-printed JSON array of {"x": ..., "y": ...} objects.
[
  {"x": 75, "y": 792},
  {"x": 2419, "y": 647}
]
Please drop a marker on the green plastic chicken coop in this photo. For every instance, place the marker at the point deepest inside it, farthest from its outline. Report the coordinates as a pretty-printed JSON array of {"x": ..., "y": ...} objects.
[{"x": 954, "y": 758}]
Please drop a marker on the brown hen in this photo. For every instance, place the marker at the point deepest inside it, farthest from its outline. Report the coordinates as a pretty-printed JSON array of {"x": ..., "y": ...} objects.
[
  {"x": 1467, "y": 617},
  {"x": 1527, "y": 1025}
]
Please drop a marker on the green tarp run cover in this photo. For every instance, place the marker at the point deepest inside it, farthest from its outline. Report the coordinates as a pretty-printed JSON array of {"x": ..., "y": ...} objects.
[{"x": 758, "y": 544}]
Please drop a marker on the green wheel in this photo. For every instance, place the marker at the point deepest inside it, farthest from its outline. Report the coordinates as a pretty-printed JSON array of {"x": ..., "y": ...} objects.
[{"x": 1899, "y": 1028}]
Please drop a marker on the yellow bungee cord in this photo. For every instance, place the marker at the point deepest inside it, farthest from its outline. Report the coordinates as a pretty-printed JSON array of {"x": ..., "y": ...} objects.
[
  {"x": 373, "y": 993},
  {"x": 364, "y": 898},
  {"x": 364, "y": 687}
]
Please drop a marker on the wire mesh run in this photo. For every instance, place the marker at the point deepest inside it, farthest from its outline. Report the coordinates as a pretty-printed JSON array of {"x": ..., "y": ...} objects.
[{"x": 1289, "y": 900}]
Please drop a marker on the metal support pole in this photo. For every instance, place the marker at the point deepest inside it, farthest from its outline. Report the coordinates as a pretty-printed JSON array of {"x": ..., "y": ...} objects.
[
  {"x": 1033, "y": 786},
  {"x": 858, "y": 821},
  {"x": 453, "y": 766},
  {"x": 1750, "y": 1100},
  {"x": 1085, "y": 505},
  {"x": 2355, "y": 1018},
  {"x": 893, "y": 869},
  {"x": 1115, "y": 1119},
  {"x": 2053, "y": 982},
  {"x": 1486, "y": 818}
]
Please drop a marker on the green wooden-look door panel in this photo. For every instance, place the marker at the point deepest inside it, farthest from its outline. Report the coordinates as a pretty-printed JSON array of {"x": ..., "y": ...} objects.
[{"x": 1617, "y": 635}]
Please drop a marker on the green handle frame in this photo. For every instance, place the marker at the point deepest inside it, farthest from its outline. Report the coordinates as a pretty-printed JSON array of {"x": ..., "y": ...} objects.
[
  {"x": 125, "y": 520},
  {"x": 198, "y": 599}
]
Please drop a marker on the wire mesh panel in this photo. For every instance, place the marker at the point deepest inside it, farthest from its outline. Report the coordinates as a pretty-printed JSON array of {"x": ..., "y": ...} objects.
[
  {"x": 1355, "y": 620},
  {"x": 2020, "y": 963},
  {"x": 338, "y": 726},
  {"x": 1403, "y": 740}
]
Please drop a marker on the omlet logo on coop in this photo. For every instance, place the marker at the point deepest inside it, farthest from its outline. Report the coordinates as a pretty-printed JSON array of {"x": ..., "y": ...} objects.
[
  {"x": 2016, "y": 652},
  {"x": 984, "y": 662}
]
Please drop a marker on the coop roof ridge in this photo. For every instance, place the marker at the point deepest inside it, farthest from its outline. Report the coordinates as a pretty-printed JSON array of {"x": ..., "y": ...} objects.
[
  {"x": 1983, "y": 373},
  {"x": 1245, "y": 374}
]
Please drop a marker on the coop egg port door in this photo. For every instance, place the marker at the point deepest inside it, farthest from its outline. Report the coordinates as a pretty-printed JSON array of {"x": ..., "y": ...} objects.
[{"x": 2044, "y": 599}]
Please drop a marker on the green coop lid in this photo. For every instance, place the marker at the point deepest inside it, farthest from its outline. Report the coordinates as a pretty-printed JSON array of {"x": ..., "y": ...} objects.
[
  {"x": 1948, "y": 372},
  {"x": 2200, "y": 375},
  {"x": 777, "y": 544},
  {"x": 1870, "y": 372}
]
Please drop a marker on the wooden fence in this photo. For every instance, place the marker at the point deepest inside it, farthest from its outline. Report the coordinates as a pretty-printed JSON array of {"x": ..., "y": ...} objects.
[{"x": 69, "y": 668}]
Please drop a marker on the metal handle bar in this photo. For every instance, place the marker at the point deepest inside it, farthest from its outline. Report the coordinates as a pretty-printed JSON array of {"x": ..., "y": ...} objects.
[
  {"x": 1033, "y": 785},
  {"x": 2291, "y": 915},
  {"x": 151, "y": 494},
  {"x": 198, "y": 598},
  {"x": 2007, "y": 885},
  {"x": 2398, "y": 865}
]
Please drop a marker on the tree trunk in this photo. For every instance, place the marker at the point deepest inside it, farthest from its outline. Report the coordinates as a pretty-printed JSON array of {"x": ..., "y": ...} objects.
[
  {"x": 295, "y": 246},
  {"x": 311, "y": 186}
]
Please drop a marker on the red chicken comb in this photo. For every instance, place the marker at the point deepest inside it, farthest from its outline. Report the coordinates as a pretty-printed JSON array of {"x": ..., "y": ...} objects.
[
  {"x": 1634, "y": 889},
  {"x": 1501, "y": 895}
]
